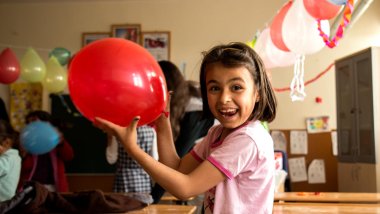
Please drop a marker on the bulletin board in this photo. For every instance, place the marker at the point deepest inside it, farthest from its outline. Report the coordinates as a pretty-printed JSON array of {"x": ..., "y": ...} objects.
[
  {"x": 89, "y": 143},
  {"x": 319, "y": 147}
]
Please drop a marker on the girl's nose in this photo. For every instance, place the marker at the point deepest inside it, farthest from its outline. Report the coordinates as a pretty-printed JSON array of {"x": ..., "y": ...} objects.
[{"x": 225, "y": 97}]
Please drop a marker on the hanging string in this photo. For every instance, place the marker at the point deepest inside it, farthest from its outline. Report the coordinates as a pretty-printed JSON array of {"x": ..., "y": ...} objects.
[
  {"x": 309, "y": 81},
  {"x": 24, "y": 48}
]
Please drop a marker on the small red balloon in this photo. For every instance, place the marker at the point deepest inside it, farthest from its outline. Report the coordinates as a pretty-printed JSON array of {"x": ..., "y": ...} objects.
[
  {"x": 9, "y": 67},
  {"x": 116, "y": 79},
  {"x": 321, "y": 9},
  {"x": 276, "y": 27}
]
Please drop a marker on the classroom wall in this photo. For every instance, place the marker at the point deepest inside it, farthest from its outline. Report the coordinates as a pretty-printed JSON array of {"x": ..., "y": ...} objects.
[{"x": 195, "y": 26}]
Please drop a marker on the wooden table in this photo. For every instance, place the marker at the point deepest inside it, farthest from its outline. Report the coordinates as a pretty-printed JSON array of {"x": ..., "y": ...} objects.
[
  {"x": 166, "y": 208},
  {"x": 330, "y": 208},
  {"x": 169, "y": 197},
  {"x": 341, "y": 197}
]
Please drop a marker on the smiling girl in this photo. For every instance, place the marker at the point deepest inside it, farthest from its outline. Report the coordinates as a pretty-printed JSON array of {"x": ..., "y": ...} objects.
[
  {"x": 234, "y": 164},
  {"x": 10, "y": 161}
]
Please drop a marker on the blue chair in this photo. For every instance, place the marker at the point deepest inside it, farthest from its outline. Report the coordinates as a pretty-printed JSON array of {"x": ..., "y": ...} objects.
[{"x": 285, "y": 167}]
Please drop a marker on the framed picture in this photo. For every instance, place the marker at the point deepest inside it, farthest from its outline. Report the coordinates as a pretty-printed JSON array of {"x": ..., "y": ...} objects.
[
  {"x": 89, "y": 37},
  {"x": 128, "y": 31},
  {"x": 157, "y": 43}
]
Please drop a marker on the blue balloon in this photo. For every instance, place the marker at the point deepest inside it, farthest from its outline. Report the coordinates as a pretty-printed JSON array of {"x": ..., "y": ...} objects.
[
  {"x": 338, "y": 2},
  {"x": 39, "y": 137}
]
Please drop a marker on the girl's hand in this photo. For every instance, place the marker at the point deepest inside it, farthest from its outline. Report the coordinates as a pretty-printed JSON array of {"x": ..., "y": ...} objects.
[
  {"x": 166, "y": 113},
  {"x": 126, "y": 135}
]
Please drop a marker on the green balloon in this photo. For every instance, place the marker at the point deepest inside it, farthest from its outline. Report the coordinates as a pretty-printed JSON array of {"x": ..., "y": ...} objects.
[
  {"x": 61, "y": 54},
  {"x": 265, "y": 124}
]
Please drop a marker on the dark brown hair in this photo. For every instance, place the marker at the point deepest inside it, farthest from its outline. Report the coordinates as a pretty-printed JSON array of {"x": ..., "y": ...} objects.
[
  {"x": 241, "y": 55},
  {"x": 180, "y": 97},
  {"x": 7, "y": 131},
  {"x": 40, "y": 115}
]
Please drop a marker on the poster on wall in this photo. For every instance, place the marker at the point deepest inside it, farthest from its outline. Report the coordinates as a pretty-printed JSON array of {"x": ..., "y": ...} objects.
[
  {"x": 24, "y": 98},
  {"x": 157, "y": 43},
  {"x": 317, "y": 124}
]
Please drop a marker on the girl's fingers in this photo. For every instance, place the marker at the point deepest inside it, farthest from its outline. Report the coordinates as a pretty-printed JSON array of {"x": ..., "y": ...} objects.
[
  {"x": 167, "y": 108},
  {"x": 134, "y": 122}
]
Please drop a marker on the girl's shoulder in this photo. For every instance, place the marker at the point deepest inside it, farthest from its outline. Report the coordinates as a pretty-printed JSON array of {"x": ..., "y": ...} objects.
[{"x": 253, "y": 129}]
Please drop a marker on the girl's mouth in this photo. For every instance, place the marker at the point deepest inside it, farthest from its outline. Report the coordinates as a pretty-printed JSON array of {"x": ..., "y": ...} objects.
[{"x": 227, "y": 113}]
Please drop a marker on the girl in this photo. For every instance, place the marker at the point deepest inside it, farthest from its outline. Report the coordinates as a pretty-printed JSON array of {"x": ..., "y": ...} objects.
[
  {"x": 234, "y": 164},
  {"x": 130, "y": 177},
  {"x": 10, "y": 161},
  {"x": 49, "y": 168}
]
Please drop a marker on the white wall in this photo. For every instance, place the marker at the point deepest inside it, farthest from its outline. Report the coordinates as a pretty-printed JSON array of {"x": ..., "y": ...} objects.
[{"x": 195, "y": 26}]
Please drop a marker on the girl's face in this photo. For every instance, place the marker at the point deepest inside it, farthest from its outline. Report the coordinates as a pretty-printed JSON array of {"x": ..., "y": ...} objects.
[
  {"x": 231, "y": 94},
  {"x": 5, "y": 144}
]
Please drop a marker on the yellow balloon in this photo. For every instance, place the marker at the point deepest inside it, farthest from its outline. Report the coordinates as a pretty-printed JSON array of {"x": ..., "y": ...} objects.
[
  {"x": 251, "y": 43},
  {"x": 56, "y": 76},
  {"x": 32, "y": 67}
]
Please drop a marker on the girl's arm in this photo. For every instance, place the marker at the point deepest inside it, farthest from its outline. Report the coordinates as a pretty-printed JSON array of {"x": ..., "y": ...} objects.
[
  {"x": 191, "y": 178},
  {"x": 165, "y": 144},
  {"x": 4, "y": 164}
]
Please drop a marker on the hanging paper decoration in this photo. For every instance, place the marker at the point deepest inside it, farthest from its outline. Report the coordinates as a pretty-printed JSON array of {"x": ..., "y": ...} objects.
[
  {"x": 338, "y": 2},
  {"x": 56, "y": 77},
  {"x": 32, "y": 67},
  {"x": 276, "y": 27},
  {"x": 301, "y": 36},
  {"x": 297, "y": 86},
  {"x": 273, "y": 57},
  {"x": 321, "y": 9},
  {"x": 9, "y": 67},
  {"x": 62, "y": 54},
  {"x": 331, "y": 43}
]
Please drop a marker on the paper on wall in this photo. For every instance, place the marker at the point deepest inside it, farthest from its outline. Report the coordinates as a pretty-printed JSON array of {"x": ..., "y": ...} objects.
[
  {"x": 316, "y": 172},
  {"x": 297, "y": 169},
  {"x": 298, "y": 142},
  {"x": 279, "y": 140}
]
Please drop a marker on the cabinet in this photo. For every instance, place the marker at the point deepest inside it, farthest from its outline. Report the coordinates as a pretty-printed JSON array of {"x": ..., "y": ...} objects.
[{"x": 357, "y": 96}]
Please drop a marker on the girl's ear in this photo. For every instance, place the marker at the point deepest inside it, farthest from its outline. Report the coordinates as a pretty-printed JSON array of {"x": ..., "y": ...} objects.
[{"x": 257, "y": 96}]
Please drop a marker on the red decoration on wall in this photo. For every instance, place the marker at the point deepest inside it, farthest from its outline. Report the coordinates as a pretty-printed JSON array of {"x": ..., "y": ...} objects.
[{"x": 309, "y": 81}]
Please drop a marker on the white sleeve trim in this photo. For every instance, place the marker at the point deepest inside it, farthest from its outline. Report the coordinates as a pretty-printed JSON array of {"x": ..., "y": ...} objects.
[{"x": 111, "y": 151}]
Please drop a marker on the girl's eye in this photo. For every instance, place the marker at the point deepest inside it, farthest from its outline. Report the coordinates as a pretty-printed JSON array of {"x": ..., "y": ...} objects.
[
  {"x": 213, "y": 88},
  {"x": 236, "y": 87}
]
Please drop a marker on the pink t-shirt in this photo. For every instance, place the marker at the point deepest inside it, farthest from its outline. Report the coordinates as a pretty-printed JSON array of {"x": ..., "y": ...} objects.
[{"x": 246, "y": 157}]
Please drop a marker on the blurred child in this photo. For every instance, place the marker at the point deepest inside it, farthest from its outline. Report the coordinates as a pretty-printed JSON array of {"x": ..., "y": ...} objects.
[
  {"x": 47, "y": 169},
  {"x": 130, "y": 177},
  {"x": 10, "y": 161},
  {"x": 186, "y": 117},
  {"x": 234, "y": 164}
]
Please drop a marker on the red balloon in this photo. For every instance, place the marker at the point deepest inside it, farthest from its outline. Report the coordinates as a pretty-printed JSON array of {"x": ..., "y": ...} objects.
[
  {"x": 117, "y": 79},
  {"x": 276, "y": 27},
  {"x": 321, "y": 9},
  {"x": 9, "y": 67}
]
